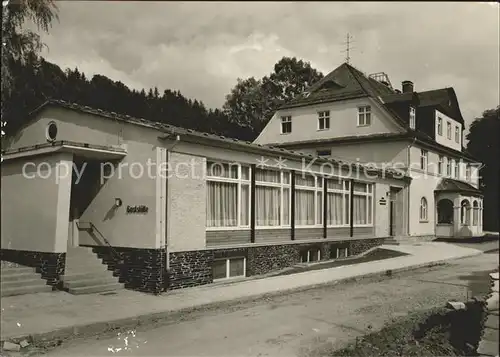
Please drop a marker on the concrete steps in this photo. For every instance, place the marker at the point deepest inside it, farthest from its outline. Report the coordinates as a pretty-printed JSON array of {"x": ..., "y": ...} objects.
[
  {"x": 391, "y": 241},
  {"x": 21, "y": 280},
  {"x": 86, "y": 274}
]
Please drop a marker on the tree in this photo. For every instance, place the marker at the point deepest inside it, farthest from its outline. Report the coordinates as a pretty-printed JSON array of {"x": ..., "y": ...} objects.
[
  {"x": 484, "y": 145},
  {"x": 18, "y": 43},
  {"x": 253, "y": 102}
]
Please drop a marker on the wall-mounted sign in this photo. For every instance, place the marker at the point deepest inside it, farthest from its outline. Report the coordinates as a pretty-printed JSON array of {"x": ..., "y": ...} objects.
[
  {"x": 382, "y": 201},
  {"x": 137, "y": 209}
]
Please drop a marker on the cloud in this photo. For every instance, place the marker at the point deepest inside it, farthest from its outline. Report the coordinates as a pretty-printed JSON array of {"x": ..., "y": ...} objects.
[{"x": 201, "y": 48}]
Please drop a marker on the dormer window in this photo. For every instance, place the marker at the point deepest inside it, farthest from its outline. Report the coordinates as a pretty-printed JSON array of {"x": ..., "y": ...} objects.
[
  {"x": 286, "y": 124},
  {"x": 364, "y": 116},
  {"x": 448, "y": 130},
  {"x": 440, "y": 126},
  {"x": 324, "y": 120},
  {"x": 457, "y": 134},
  {"x": 412, "y": 118}
]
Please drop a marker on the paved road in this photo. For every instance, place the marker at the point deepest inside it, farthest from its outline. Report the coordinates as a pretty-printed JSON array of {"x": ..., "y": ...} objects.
[{"x": 300, "y": 324}]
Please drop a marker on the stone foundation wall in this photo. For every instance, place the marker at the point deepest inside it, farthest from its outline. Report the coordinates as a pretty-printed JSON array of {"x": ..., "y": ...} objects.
[
  {"x": 139, "y": 269},
  {"x": 49, "y": 265},
  {"x": 192, "y": 268}
]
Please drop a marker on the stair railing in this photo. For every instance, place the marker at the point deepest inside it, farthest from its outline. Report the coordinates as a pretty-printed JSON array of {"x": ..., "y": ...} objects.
[{"x": 92, "y": 227}]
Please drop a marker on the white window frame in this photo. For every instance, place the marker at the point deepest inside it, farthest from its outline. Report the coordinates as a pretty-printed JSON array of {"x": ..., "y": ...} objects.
[
  {"x": 282, "y": 185},
  {"x": 440, "y": 126},
  {"x": 412, "y": 117},
  {"x": 346, "y": 252},
  {"x": 424, "y": 210},
  {"x": 365, "y": 115},
  {"x": 228, "y": 269},
  {"x": 457, "y": 170},
  {"x": 449, "y": 169},
  {"x": 424, "y": 159},
  {"x": 440, "y": 164},
  {"x": 286, "y": 119},
  {"x": 370, "y": 187},
  {"x": 448, "y": 130},
  {"x": 346, "y": 193},
  {"x": 453, "y": 168},
  {"x": 318, "y": 189},
  {"x": 240, "y": 182},
  {"x": 309, "y": 256},
  {"x": 457, "y": 134},
  {"x": 324, "y": 120},
  {"x": 467, "y": 173}
]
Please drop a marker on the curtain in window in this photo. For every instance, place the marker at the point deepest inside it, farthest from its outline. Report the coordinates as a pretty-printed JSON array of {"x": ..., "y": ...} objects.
[
  {"x": 304, "y": 207},
  {"x": 245, "y": 201},
  {"x": 360, "y": 212},
  {"x": 335, "y": 208},
  {"x": 267, "y": 206},
  {"x": 222, "y": 204}
]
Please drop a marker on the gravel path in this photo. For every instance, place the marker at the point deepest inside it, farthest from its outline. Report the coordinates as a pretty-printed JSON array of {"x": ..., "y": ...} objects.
[{"x": 298, "y": 324}]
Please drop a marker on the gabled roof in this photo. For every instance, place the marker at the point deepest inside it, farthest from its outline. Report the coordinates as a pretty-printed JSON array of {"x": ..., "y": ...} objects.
[
  {"x": 200, "y": 137},
  {"x": 345, "y": 82},
  {"x": 450, "y": 185}
]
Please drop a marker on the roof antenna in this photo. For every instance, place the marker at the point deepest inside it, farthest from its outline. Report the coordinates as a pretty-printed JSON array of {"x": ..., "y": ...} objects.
[{"x": 349, "y": 47}]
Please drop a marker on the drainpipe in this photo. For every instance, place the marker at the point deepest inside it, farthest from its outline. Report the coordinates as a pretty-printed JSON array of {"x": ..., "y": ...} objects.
[
  {"x": 167, "y": 195},
  {"x": 408, "y": 158}
]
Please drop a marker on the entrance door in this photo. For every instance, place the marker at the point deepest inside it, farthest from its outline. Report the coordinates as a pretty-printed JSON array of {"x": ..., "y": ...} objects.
[{"x": 396, "y": 210}]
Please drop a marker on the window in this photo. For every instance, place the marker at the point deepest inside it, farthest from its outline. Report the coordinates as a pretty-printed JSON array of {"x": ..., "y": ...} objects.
[
  {"x": 363, "y": 204},
  {"x": 440, "y": 126},
  {"x": 445, "y": 211},
  {"x": 51, "y": 131},
  {"x": 465, "y": 212},
  {"x": 324, "y": 152},
  {"x": 324, "y": 120},
  {"x": 272, "y": 198},
  {"x": 228, "y": 268},
  {"x": 457, "y": 134},
  {"x": 448, "y": 167},
  {"x": 467, "y": 172},
  {"x": 423, "y": 209},
  {"x": 412, "y": 117},
  {"x": 311, "y": 255},
  {"x": 457, "y": 169},
  {"x": 308, "y": 200},
  {"x": 448, "y": 130},
  {"x": 423, "y": 159},
  {"x": 337, "y": 200},
  {"x": 364, "y": 116},
  {"x": 286, "y": 124},
  {"x": 342, "y": 253},
  {"x": 228, "y": 195},
  {"x": 475, "y": 213},
  {"x": 440, "y": 165}
]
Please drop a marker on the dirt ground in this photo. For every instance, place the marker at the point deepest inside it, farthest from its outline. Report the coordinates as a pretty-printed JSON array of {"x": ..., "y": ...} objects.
[{"x": 299, "y": 324}]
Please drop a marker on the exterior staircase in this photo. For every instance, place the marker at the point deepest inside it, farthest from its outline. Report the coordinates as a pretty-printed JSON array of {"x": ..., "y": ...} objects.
[
  {"x": 86, "y": 274},
  {"x": 391, "y": 241},
  {"x": 20, "y": 280}
]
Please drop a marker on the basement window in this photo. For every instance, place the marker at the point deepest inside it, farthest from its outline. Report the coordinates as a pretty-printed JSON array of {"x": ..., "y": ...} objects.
[
  {"x": 311, "y": 255},
  {"x": 228, "y": 268},
  {"x": 337, "y": 252}
]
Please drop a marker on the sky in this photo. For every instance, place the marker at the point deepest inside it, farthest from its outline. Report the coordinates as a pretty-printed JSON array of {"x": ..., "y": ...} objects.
[{"x": 201, "y": 48}]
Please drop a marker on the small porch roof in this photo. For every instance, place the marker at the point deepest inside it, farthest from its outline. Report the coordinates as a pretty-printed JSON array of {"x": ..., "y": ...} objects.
[
  {"x": 88, "y": 151},
  {"x": 455, "y": 186}
]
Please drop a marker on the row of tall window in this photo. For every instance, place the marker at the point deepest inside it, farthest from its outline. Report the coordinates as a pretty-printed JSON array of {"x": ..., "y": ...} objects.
[
  {"x": 228, "y": 199},
  {"x": 451, "y": 165},
  {"x": 448, "y": 130}
]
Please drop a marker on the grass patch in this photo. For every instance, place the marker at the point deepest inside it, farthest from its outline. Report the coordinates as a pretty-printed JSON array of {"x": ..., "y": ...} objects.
[
  {"x": 438, "y": 332},
  {"x": 374, "y": 255}
]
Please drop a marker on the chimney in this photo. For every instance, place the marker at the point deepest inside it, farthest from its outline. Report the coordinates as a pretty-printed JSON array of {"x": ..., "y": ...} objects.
[{"x": 407, "y": 86}]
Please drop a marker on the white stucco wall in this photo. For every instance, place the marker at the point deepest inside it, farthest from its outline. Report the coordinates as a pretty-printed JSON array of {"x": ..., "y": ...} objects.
[
  {"x": 343, "y": 122},
  {"x": 186, "y": 210},
  {"x": 443, "y": 139}
]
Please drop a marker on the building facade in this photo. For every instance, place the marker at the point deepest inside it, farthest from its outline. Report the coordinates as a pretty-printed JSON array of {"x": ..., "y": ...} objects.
[
  {"x": 364, "y": 119},
  {"x": 165, "y": 208}
]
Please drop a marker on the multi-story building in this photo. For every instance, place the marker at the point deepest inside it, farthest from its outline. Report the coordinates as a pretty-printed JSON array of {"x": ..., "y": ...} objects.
[{"x": 363, "y": 118}]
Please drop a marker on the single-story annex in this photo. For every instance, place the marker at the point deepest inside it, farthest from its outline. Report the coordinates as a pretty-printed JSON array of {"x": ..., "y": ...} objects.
[{"x": 167, "y": 208}]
